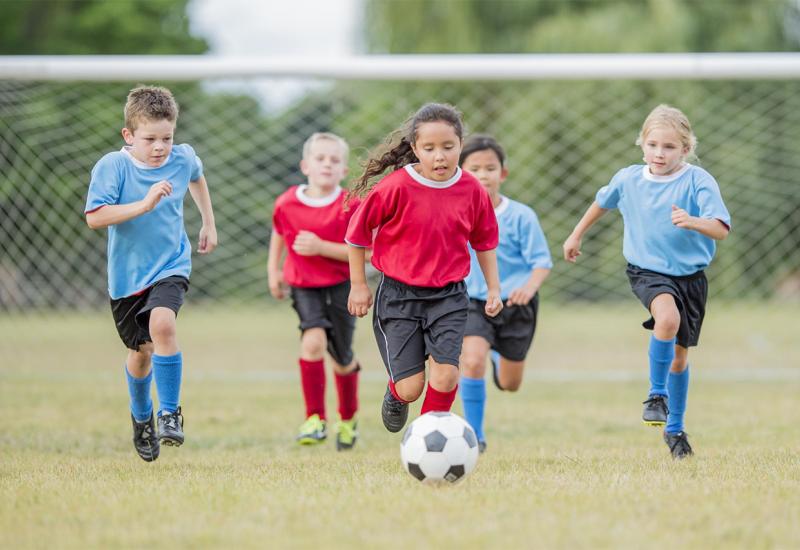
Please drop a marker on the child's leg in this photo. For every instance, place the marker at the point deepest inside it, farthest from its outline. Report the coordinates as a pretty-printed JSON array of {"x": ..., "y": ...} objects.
[
  {"x": 442, "y": 387},
  {"x": 510, "y": 374},
  {"x": 312, "y": 370},
  {"x": 347, "y": 388},
  {"x": 473, "y": 386},
  {"x": 662, "y": 343},
  {"x": 167, "y": 359},
  {"x": 408, "y": 389},
  {"x": 678, "y": 386},
  {"x": 139, "y": 376}
]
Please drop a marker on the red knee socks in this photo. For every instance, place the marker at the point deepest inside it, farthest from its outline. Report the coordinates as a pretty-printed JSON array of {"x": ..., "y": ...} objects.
[
  {"x": 436, "y": 400},
  {"x": 312, "y": 377},
  {"x": 347, "y": 388}
]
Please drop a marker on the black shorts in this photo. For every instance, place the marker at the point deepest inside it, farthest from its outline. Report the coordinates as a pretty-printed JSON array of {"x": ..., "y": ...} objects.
[
  {"x": 413, "y": 322},
  {"x": 132, "y": 313},
  {"x": 510, "y": 333},
  {"x": 690, "y": 293},
  {"x": 326, "y": 307}
]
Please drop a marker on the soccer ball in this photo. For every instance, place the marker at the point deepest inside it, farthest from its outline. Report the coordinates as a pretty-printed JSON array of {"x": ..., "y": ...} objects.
[{"x": 439, "y": 447}]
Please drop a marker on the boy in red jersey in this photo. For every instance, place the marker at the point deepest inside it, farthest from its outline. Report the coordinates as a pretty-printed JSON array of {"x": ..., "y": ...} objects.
[
  {"x": 309, "y": 223},
  {"x": 418, "y": 220}
]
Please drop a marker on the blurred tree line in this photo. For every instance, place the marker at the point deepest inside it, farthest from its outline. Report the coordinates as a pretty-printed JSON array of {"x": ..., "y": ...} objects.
[{"x": 555, "y": 115}]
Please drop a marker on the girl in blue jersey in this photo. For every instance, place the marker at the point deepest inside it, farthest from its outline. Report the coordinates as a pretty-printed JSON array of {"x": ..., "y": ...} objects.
[
  {"x": 524, "y": 262},
  {"x": 673, "y": 215}
]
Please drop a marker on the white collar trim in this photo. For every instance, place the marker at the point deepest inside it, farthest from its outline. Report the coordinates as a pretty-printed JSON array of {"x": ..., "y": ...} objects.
[
  {"x": 503, "y": 206},
  {"x": 139, "y": 164},
  {"x": 431, "y": 183},
  {"x": 663, "y": 179},
  {"x": 317, "y": 202}
]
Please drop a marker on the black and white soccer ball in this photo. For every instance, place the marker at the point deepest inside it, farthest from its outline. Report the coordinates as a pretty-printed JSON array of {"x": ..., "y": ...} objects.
[{"x": 439, "y": 447}]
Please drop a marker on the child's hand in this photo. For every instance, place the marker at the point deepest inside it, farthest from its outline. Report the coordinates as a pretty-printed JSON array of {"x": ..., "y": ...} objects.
[
  {"x": 307, "y": 244},
  {"x": 208, "y": 239},
  {"x": 681, "y": 218},
  {"x": 276, "y": 286},
  {"x": 157, "y": 192},
  {"x": 572, "y": 248},
  {"x": 359, "y": 300},
  {"x": 493, "y": 303},
  {"x": 520, "y": 296}
]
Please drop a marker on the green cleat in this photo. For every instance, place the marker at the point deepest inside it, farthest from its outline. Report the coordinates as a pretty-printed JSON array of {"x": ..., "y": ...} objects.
[
  {"x": 312, "y": 431},
  {"x": 346, "y": 434}
]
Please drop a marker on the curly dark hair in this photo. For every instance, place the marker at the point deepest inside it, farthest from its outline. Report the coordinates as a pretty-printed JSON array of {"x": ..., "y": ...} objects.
[{"x": 396, "y": 151}]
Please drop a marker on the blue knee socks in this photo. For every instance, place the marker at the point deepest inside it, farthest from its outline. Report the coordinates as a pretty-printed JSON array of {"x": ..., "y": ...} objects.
[
  {"x": 139, "y": 390},
  {"x": 661, "y": 353},
  {"x": 678, "y": 386},
  {"x": 473, "y": 396},
  {"x": 168, "y": 370}
]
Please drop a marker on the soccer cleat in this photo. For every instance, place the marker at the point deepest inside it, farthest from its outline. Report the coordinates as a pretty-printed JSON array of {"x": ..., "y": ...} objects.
[
  {"x": 393, "y": 412},
  {"x": 494, "y": 357},
  {"x": 312, "y": 431},
  {"x": 346, "y": 434},
  {"x": 481, "y": 447},
  {"x": 655, "y": 410},
  {"x": 170, "y": 428},
  {"x": 678, "y": 444},
  {"x": 145, "y": 440}
]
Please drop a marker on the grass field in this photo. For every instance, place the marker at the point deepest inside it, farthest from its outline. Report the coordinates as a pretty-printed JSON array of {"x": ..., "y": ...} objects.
[{"x": 569, "y": 463}]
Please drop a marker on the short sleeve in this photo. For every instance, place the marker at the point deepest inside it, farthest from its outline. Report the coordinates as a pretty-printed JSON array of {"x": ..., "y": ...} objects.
[
  {"x": 485, "y": 233},
  {"x": 608, "y": 196},
  {"x": 709, "y": 199},
  {"x": 533, "y": 243},
  {"x": 105, "y": 183},
  {"x": 197, "y": 169},
  {"x": 277, "y": 219},
  {"x": 367, "y": 216}
]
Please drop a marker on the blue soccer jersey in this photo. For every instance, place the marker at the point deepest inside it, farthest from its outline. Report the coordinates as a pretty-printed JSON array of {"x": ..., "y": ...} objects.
[
  {"x": 521, "y": 249},
  {"x": 150, "y": 247},
  {"x": 645, "y": 201}
]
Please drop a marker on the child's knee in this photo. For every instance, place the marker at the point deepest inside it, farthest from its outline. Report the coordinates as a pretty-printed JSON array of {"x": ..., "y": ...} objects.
[
  {"x": 472, "y": 365},
  {"x": 162, "y": 326},
  {"x": 409, "y": 389},
  {"x": 668, "y": 322},
  {"x": 313, "y": 343}
]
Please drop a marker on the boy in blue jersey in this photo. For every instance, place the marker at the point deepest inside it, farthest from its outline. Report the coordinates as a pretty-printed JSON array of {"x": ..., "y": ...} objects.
[
  {"x": 673, "y": 213},
  {"x": 138, "y": 193},
  {"x": 524, "y": 262}
]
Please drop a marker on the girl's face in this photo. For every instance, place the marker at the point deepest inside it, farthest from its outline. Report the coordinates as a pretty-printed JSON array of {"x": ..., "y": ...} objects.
[
  {"x": 437, "y": 147},
  {"x": 663, "y": 151},
  {"x": 485, "y": 166}
]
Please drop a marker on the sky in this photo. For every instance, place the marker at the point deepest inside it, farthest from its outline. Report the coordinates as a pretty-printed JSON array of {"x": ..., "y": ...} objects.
[{"x": 322, "y": 28}]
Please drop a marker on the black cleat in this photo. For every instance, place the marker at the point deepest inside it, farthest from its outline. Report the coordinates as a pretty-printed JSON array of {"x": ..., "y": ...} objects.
[
  {"x": 481, "y": 447},
  {"x": 170, "y": 428},
  {"x": 655, "y": 410},
  {"x": 145, "y": 440},
  {"x": 678, "y": 445},
  {"x": 393, "y": 412}
]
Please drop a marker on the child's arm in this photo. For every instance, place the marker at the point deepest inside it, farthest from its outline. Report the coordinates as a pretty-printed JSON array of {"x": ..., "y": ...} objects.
[
  {"x": 710, "y": 228},
  {"x": 360, "y": 295},
  {"x": 112, "y": 214},
  {"x": 572, "y": 246},
  {"x": 277, "y": 246},
  {"x": 524, "y": 294},
  {"x": 309, "y": 244},
  {"x": 488, "y": 262},
  {"x": 208, "y": 232}
]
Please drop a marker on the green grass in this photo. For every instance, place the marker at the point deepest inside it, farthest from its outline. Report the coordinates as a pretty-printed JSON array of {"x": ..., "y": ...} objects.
[{"x": 569, "y": 463}]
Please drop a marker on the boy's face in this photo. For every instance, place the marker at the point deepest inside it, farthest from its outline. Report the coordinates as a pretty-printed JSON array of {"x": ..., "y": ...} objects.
[
  {"x": 663, "y": 151},
  {"x": 437, "y": 147},
  {"x": 325, "y": 165},
  {"x": 485, "y": 166},
  {"x": 151, "y": 142}
]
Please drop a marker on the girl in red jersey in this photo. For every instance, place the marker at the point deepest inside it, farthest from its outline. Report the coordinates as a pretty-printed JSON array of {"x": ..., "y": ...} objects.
[
  {"x": 309, "y": 222},
  {"x": 418, "y": 221}
]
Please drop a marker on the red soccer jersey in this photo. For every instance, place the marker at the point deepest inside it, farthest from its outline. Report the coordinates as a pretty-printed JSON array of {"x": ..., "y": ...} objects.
[
  {"x": 325, "y": 217},
  {"x": 423, "y": 226}
]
